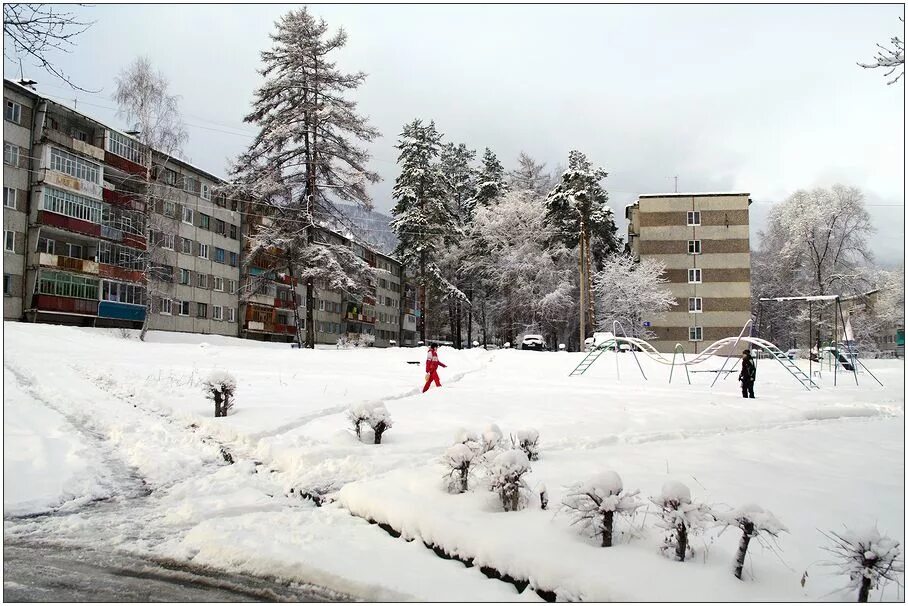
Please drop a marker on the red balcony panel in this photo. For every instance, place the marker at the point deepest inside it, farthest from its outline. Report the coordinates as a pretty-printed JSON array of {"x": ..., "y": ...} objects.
[
  {"x": 124, "y": 199},
  {"x": 66, "y": 305},
  {"x": 283, "y": 304},
  {"x": 125, "y": 165},
  {"x": 134, "y": 240},
  {"x": 285, "y": 329},
  {"x": 69, "y": 224},
  {"x": 106, "y": 270}
]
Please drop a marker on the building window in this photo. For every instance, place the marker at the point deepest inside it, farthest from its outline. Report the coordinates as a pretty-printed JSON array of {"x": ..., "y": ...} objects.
[
  {"x": 695, "y": 333},
  {"x": 166, "y": 307},
  {"x": 46, "y": 245},
  {"x": 234, "y": 232},
  {"x": 202, "y": 280},
  {"x": 204, "y": 221},
  {"x": 220, "y": 227},
  {"x": 693, "y": 217},
  {"x": 206, "y": 195},
  {"x": 694, "y": 304},
  {"x": 125, "y": 147},
  {"x": 170, "y": 208},
  {"x": 218, "y": 283},
  {"x": 694, "y": 276},
  {"x": 217, "y": 312},
  {"x": 203, "y": 250},
  {"x": 219, "y": 255},
  {"x": 186, "y": 246},
  {"x": 12, "y": 112},
  {"x": 202, "y": 310},
  {"x": 74, "y": 251},
  {"x": 231, "y": 314},
  {"x": 187, "y": 215},
  {"x": 162, "y": 273},
  {"x": 71, "y": 205},
  {"x": 693, "y": 247},
  {"x": 170, "y": 176},
  {"x": 185, "y": 276},
  {"x": 190, "y": 184},
  {"x": 167, "y": 241},
  {"x": 233, "y": 259},
  {"x": 67, "y": 285},
  {"x": 11, "y": 154},
  {"x": 121, "y": 256},
  {"x": 121, "y": 292},
  {"x": 9, "y": 197},
  {"x": 231, "y": 286},
  {"x": 184, "y": 308},
  {"x": 9, "y": 240},
  {"x": 74, "y": 166},
  {"x": 7, "y": 284}
]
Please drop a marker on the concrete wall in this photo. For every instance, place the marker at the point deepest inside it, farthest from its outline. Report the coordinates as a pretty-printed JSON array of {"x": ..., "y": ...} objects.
[{"x": 15, "y": 219}]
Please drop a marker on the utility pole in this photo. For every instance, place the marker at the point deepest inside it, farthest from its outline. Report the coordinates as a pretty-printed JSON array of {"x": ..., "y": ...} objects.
[
  {"x": 581, "y": 266},
  {"x": 676, "y": 184}
]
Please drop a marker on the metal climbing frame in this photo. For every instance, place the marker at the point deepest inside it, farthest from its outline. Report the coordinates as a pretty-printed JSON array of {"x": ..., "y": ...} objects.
[
  {"x": 672, "y": 372},
  {"x": 615, "y": 326},
  {"x": 734, "y": 347}
]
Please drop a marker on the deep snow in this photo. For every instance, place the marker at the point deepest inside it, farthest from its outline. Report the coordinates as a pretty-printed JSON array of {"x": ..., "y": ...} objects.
[{"x": 90, "y": 415}]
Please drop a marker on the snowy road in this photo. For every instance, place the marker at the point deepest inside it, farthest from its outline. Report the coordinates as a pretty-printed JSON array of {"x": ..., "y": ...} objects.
[{"x": 41, "y": 572}]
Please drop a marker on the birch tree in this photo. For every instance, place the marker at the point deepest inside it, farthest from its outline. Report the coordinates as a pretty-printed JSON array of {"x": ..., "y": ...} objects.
[
  {"x": 627, "y": 291},
  {"x": 889, "y": 58},
  {"x": 307, "y": 153}
]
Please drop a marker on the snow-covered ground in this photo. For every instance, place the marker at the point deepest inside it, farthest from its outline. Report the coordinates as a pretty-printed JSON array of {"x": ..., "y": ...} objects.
[{"x": 115, "y": 438}]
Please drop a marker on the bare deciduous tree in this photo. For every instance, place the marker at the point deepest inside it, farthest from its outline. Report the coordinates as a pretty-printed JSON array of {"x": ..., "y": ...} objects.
[
  {"x": 891, "y": 58},
  {"x": 38, "y": 30}
]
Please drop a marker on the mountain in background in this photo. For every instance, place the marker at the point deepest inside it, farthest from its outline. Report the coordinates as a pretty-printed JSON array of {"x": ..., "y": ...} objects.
[{"x": 374, "y": 227}]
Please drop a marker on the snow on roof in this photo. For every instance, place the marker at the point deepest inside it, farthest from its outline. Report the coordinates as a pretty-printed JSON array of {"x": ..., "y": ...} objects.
[
  {"x": 695, "y": 194},
  {"x": 810, "y": 298}
]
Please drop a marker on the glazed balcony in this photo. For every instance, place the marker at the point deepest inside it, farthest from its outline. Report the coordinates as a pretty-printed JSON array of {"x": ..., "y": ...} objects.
[
  {"x": 67, "y": 305},
  {"x": 124, "y": 199},
  {"x": 126, "y": 166},
  {"x": 85, "y": 266},
  {"x": 105, "y": 270}
]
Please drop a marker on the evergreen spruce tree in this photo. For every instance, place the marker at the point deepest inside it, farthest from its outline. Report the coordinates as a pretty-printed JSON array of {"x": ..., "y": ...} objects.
[
  {"x": 491, "y": 183},
  {"x": 422, "y": 219},
  {"x": 305, "y": 154}
]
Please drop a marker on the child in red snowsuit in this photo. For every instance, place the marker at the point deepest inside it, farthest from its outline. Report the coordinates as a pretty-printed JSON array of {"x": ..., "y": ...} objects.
[{"x": 432, "y": 364}]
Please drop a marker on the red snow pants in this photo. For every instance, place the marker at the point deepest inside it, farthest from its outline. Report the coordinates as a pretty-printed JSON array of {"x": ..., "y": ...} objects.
[{"x": 433, "y": 376}]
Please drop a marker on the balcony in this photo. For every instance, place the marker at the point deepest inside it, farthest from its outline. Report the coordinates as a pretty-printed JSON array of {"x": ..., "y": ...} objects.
[
  {"x": 105, "y": 270},
  {"x": 78, "y": 145},
  {"x": 285, "y": 329},
  {"x": 121, "y": 311},
  {"x": 68, "y": 223},
  {"x": 83, "y": 307},
  {"x": 69, "y": 263},
  {"x": 125, "y": 165},
  {"x": 359, "y": 318},
  {"x": 122, "y": 199},
  {"x": 283, "y": 304}
]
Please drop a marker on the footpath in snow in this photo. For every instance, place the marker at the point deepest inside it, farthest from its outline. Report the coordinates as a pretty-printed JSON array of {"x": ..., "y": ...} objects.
[{"x": 123, "y": 442}]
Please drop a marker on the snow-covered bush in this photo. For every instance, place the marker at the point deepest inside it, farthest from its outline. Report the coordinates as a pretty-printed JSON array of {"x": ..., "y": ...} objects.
[
  {"x": 754, "y": 521},
  {"x": 528, "y": 440},
  {"x": 680, "y": 518},
  {"x": 355, "y": 340},
  {"x": 506, "y": 478},
  {"x": 375, "y": 415},
  {"x": 220, "y": 387},
  {"x": 458, "y": 458},
  {"x": 491, "y": 438},
  {"x": 470, "y": 439},
  {"x": 868, "y": 558},
  {"x": 543, "y": 497},
  {"x": 594, "y": 503}
]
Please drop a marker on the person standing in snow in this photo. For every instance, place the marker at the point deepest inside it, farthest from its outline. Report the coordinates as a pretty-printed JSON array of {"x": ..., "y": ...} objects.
[
  {"x": 748, "y": 375},
  {"x": 432, "y": 364}
]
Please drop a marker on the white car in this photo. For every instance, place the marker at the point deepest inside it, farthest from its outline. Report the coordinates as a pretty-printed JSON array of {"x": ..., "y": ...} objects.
[{"x": 535, "y": 342}]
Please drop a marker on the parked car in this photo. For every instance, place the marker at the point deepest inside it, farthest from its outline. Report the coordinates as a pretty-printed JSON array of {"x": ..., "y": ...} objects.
[
  {"x": 600, "y": 340},
  {"x": 534, "y": 342},
  {"x": 793, "y": 354}
]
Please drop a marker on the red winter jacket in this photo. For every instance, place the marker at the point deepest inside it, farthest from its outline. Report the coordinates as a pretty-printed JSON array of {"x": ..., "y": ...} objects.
[{"x": 432, "y": 362}]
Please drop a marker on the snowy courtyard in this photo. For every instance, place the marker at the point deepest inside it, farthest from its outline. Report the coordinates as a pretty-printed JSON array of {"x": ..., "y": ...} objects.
[{"x": 109, "y": 443}]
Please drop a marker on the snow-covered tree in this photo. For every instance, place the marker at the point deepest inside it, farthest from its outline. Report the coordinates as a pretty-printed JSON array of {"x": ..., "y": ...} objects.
[
  {"x": 220, "y": 388},
  {"x": 422, "y": 220},
  {"x": 628, "y": 291},
  {"x": 305, "y": 154},
  {"x": 594, "y": 503},
  {"x": 469, "y": 438},
  {"x": 380, "y": 421},
  {"x": 530, "y": 176},
  {"x": 528, "y": 442},
  {"x": 754, "y": 523},
  {"x": 869, "y": 559},
  {"x": 458, "y": 458},
  {"x": 491, "y": 438},
  {"x": 506, "y": 478},
  {"x": 680, "y": 518},
  {"x": 891, "y": 58},
  {"x": 373, "y": 414},
  {"x": 490, "y": 183}
]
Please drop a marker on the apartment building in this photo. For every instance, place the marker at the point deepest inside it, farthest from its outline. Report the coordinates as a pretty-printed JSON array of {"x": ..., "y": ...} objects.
[
  {"x": 18, "y": 121},
  {"x": 703, "y": 240}
]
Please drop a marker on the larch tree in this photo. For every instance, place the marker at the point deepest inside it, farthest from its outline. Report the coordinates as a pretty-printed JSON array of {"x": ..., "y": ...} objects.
[
  {"x": 422, "y": 220},
  {"x": 144, "y": 101},
  {"x": 530, "y": 176},
  {"x": 307, "y": 153},
  {"x": 577, "y": 210}
]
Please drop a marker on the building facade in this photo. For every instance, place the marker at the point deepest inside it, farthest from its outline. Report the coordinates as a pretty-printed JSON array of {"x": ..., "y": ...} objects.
[{"x": 704, "y": 242}]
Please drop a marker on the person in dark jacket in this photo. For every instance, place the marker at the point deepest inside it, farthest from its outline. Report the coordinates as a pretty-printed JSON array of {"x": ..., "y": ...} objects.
[{"x": 748, "y": 374}]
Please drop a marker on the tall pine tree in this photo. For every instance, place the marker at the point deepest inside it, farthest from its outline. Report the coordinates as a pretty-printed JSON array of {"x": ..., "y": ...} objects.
[
  {"x": 305, "y": 154},
  {"x": 491, "y": 183}
]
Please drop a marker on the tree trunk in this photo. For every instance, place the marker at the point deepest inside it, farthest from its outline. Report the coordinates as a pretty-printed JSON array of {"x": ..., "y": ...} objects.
[
  {"x": 681, "y": 547},
  {"x": 742, "y": 548},
  {"x": 464, "y": 473},
  {"x": 864, "y": 593},
  {"x": 423, "y": 296},
  {"x": 607, "y": 520},
  {"x": 582, "y": 283},
  {"x": 379, "y": 429},
  {"x": 218, "y": 411}
]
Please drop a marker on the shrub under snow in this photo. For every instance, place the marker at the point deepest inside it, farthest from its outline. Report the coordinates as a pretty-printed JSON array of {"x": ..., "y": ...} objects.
[
  {"x": 594, "y": 503},
  {"x": 680, "y": 517},
  {"x": 491, "y": 438},
  {"x": 868, "y": 558},
  {"x": 220, "y": 387},
  {"x": 469, "y": 438},
  {"x": 528, "y": 440},
  {"x": 754, "y": 521},
  {"x": 458, "y": 458},
  {"x": 375, "y": 415},
  {"x": 506, "y": 477}
]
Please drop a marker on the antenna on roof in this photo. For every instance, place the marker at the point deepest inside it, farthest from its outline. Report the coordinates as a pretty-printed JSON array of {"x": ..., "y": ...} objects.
[
  {"x": 22, "y": 81},
  {"x": 676, "y": 184}
]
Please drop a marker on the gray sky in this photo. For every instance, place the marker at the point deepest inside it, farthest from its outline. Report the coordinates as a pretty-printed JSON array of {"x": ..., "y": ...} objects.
[{"x": 761, "y": 98}]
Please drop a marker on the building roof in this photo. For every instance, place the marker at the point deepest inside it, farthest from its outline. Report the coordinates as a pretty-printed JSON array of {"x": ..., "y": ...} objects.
[{"x": 695, "y": 194}]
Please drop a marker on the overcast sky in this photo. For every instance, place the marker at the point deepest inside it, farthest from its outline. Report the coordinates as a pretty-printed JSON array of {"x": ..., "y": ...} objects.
[{"x": 763, "y": 98}]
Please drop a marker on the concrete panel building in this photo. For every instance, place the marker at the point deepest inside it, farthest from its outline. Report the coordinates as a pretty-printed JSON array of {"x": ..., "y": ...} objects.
[
  {"x": 704, "y": 242},
  {"x": 18, "y": 122}
]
